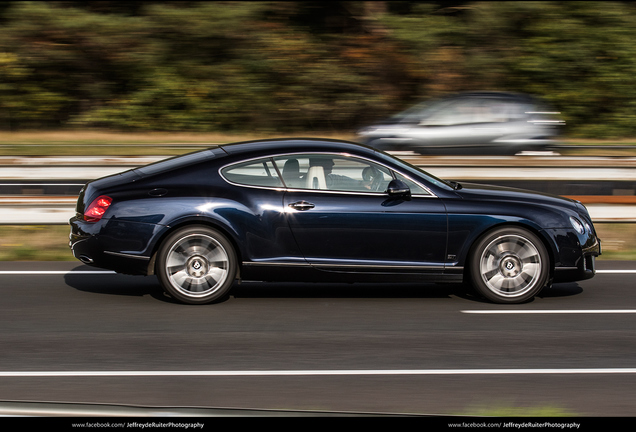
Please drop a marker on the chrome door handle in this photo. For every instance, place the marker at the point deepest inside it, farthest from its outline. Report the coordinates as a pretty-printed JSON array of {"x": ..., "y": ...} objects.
[{"x": 302, "y": 205}]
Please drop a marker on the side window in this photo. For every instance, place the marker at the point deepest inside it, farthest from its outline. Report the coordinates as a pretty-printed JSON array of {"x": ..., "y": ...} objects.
[
  {"x": 415, "y": 188},
  {"x": 253, "y": 173},
  {"x": 333, "y": 173},
  {"x": 496, "y": 111},
  {"x": 470, "y": 111},
  {"x": 455, "y": 112}
]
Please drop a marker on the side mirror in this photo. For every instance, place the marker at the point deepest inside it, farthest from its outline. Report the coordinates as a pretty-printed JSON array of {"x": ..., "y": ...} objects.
[{"x": 399, "y": 189}]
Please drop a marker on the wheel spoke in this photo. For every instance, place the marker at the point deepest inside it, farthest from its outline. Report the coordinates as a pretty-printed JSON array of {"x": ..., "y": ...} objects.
[
  {"x": 198, "y": 286},
  {"x": 176, "y": 260},
  {"x": 508, "y": 246},
  {"x": 493, "y": 253},
  {"x": 508, "y": 284},
  {"x": 531, "y": 270},
  {"x": 173, "y": 270},
  {"x": 215, "y": 256},
  {"x": 180, "y": 277},
  {"x": 497, "y": 281},
  {"x": 524, "y": 279},
  {"x": 210, "y": 280},
  {"x": 490, "y": 274},
  {"x": 217, "y": 273},
  {"x": 530, "y": 259}
]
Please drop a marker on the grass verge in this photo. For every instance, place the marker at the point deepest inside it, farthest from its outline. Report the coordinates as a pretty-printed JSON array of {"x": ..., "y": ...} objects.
[
  {"x": 108, "y": 143},
  {"x": 35, "y": 243},
  {"x": 511, "y": 411},
  {"x": 95, "y": 143}
]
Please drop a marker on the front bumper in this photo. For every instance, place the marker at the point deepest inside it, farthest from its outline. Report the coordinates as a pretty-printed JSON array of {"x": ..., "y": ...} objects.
[{"x": 584, "y": 265}]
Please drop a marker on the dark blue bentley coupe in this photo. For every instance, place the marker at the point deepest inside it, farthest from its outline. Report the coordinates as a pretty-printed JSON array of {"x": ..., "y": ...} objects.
[{"x": 325, "y": 210}]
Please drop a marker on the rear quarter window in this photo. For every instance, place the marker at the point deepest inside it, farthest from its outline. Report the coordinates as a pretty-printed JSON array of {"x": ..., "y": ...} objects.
[{"x": 254, "y": 173}]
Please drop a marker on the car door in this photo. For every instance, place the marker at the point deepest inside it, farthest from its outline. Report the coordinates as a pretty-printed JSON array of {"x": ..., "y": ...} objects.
[
  {"x": 258, "y": 215},
  {"x": 343, "y": 220}
]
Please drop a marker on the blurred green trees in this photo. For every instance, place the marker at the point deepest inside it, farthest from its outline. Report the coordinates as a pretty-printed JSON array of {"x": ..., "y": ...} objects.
[{"x": 310, "y": 65}]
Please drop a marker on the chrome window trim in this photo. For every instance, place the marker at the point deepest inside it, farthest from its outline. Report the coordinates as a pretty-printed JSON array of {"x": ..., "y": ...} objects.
[{"x": 344, "y": 154}]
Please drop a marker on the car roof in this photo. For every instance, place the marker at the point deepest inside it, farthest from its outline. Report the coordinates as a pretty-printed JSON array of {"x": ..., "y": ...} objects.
[
  {"x": 286, "y": 145},
  {"x": 492, "y": 94}
]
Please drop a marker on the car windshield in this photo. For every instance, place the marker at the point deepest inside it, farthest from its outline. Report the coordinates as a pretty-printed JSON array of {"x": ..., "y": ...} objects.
[{"x": 423, "y": 174}]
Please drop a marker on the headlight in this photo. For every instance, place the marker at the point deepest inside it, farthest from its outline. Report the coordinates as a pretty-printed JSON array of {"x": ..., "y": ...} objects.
[{"x": 577, "y": 225}]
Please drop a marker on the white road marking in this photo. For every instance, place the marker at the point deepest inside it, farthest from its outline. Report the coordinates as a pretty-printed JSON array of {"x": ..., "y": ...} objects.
[
  {"x": 556, "y": 311},
  {"x": 616, "y": 271},
  {"x": 263, "y": 373},
  {"x": 54, "y": 272},
  {"x": 42, "y": 184}
]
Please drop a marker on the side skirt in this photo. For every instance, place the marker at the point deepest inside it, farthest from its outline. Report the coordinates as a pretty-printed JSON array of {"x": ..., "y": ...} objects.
[{"x": 304, "y": 272}]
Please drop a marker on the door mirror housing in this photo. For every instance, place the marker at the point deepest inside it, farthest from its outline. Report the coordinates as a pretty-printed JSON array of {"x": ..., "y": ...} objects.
[{"x": 399, "y": 189}]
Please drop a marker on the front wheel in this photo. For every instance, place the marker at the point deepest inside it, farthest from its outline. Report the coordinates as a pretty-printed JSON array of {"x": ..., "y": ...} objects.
[
  {"x": 509, "y": 265},
  {"x": 196, "y": 265}
]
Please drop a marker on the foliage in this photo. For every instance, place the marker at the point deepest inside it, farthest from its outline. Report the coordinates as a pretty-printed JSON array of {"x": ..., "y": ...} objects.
[
  {"x": 576, "y": 55},
  {"x": 292, "y": 66}
]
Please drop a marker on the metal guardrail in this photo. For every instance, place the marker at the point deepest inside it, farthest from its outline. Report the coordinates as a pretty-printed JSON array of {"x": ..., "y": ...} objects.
[
  {"x": 75, "y": 170},
  {"x": 594, "y": 147}
]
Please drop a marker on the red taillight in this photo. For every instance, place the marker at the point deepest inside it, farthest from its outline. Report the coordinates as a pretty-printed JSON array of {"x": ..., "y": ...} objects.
[{"x": 98, "y": 207}]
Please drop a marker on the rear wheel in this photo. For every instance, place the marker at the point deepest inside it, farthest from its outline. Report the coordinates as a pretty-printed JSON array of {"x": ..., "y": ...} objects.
[
  {"x": 196, "y": 265},
  {"x": 509, "y": 265}
]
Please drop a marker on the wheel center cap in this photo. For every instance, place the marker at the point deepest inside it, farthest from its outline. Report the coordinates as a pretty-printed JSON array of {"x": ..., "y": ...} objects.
[
  {"x": 197, "y": 266},
  {"x": 510, "y": 266}
]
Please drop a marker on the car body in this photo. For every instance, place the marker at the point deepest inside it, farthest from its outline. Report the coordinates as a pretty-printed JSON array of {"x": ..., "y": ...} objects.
[
  {"x": 468, "y": 123},
  {"x": 325, "y": 210}
]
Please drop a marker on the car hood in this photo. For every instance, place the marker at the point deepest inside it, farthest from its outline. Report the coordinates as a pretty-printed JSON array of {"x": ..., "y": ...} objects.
[{"x": 499, "y": 193}]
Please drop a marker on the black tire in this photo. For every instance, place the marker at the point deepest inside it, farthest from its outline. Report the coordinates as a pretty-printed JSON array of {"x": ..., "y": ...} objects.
[
  {"x": 509, "y": 265},
  {"x": 196, "y": 265}
]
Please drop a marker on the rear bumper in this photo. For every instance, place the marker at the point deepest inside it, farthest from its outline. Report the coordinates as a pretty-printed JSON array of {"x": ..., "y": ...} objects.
[{"x": 122, "y": 246}]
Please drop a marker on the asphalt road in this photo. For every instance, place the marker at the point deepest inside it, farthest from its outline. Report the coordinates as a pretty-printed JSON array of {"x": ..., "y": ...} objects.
[{"x": 113, "y": 339}]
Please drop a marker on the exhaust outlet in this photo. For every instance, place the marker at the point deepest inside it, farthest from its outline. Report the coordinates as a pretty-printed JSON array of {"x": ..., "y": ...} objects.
[{"x": 86, "y": 259}]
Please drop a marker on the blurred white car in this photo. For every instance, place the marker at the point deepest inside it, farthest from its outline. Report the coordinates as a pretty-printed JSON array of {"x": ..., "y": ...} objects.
[{"x": 468, "y": 123}]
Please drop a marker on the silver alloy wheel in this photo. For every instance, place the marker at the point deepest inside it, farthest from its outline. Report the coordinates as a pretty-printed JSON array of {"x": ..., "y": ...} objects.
[
  {"x": 197, "y": 265},
  {"x": 510, "y": 265}
]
